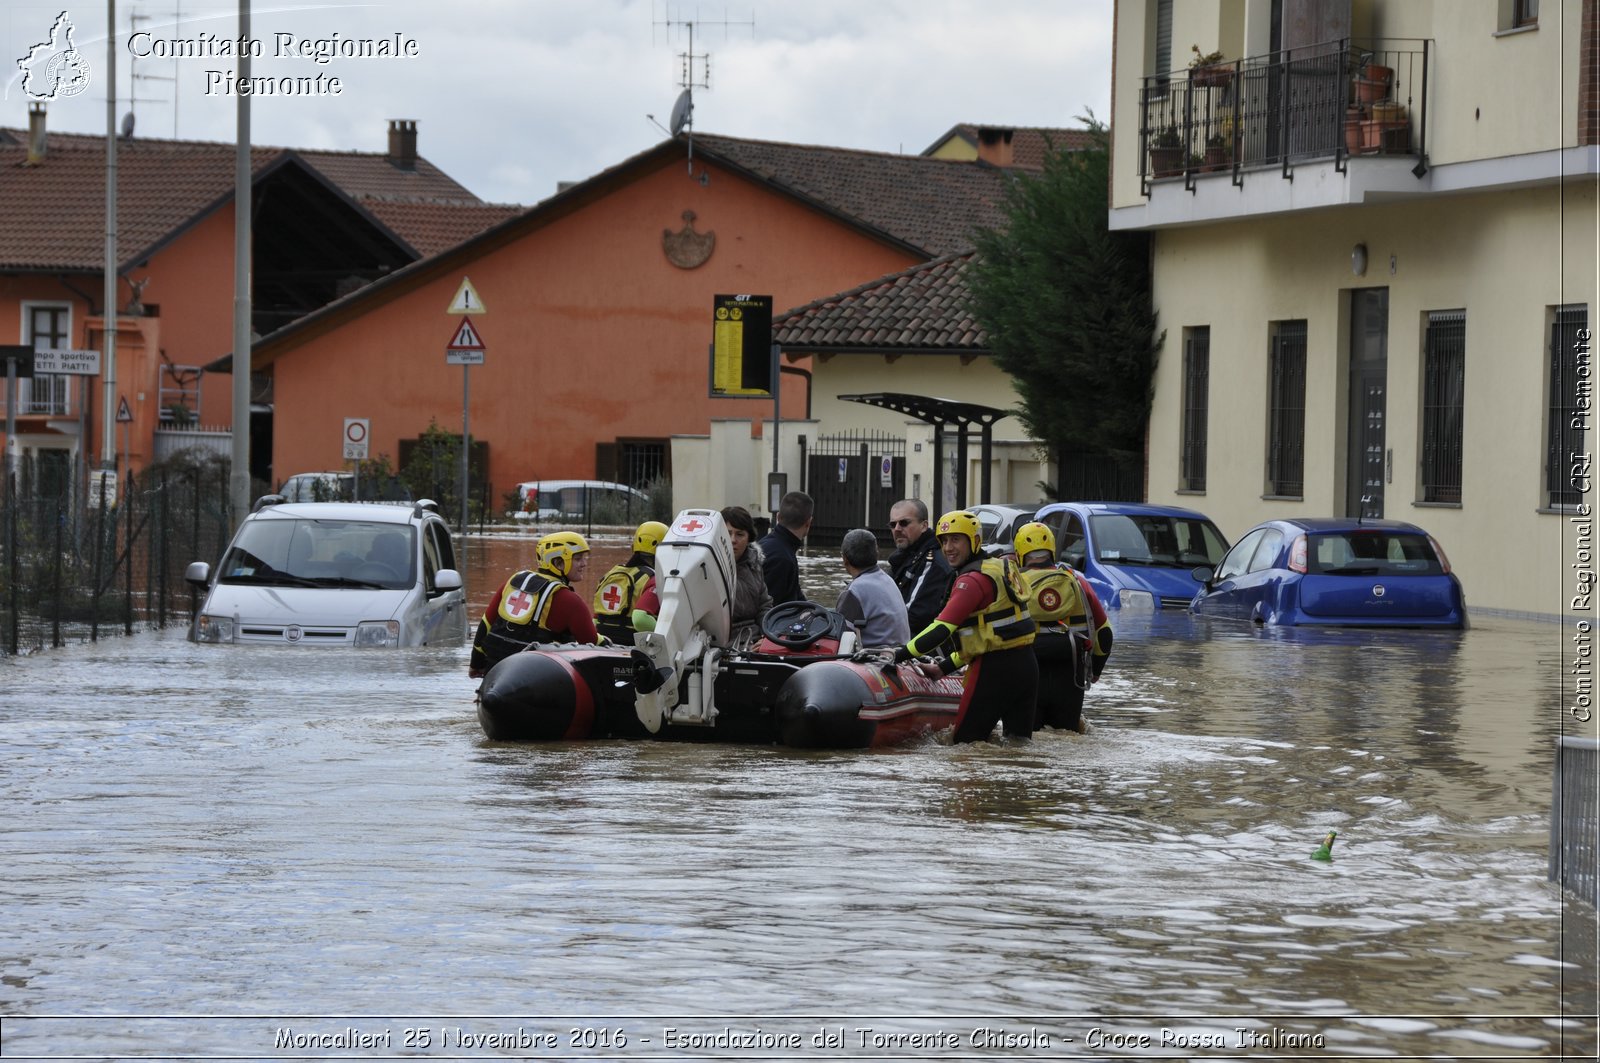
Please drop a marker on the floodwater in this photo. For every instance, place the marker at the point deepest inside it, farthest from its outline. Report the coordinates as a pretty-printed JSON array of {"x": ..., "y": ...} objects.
[{"x": 248, "y": 853}]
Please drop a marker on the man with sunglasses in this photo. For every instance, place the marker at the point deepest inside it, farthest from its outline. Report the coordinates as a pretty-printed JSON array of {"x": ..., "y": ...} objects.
[{"x": 919, "y": 569}]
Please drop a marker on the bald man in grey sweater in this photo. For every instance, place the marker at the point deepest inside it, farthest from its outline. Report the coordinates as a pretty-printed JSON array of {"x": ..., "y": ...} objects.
[{"x": 871, "y": 602}]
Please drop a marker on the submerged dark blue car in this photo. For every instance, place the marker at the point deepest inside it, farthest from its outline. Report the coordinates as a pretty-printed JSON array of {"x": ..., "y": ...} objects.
[{"x": 1334, "y": 571}]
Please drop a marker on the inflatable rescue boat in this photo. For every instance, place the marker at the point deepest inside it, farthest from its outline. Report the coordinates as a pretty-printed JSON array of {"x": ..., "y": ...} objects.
[{"x": 803, "y": 682}]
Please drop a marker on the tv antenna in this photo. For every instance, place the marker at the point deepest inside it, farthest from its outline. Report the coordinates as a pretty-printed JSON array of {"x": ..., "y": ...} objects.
[
  {"x": 694, "y": 71},
  {"x": 134, "y": 77}
]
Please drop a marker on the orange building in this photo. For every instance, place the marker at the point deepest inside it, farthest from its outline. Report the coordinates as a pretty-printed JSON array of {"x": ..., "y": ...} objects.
[
  {"x": 599, "y": 305},
  {"x": 325, "y": 223}
]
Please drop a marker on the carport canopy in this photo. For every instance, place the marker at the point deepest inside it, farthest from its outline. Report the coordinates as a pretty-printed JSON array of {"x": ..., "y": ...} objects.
[{"x": 943, "y": 413}]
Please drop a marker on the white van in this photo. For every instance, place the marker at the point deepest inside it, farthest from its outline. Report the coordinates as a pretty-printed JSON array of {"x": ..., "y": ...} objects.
[
  {"x": 341, "y": 487},
  {"x": 334, "y": 574},
  {"x": 578, "y": 499}
]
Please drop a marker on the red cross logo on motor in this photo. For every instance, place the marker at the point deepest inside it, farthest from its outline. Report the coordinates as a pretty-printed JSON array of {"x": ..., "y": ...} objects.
[
  {"x": 519, "y": 602},
  {"x": 692, "y": 525},
  {"x": 612, "y": 596}
]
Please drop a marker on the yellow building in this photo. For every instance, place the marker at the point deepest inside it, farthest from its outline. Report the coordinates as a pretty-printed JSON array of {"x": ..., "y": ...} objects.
[{"x": 1374, "y": 227}]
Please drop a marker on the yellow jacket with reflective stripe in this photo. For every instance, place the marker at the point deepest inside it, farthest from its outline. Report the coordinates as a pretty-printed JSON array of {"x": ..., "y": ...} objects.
[{"x": 1005, "y": 622}]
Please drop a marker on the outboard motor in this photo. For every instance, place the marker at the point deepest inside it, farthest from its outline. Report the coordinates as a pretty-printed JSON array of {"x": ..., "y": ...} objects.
[{"x": 695, "y": 582}]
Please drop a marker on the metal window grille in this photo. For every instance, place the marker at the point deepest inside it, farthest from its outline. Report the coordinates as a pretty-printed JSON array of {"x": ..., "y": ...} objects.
[
  {"x": 1444, "y": 379},
  {"x": 46, "y": 393},
  {"x": 1575, "y": 818},
  {"x": 1286, "y": 434},
  {"x": 1196, "y": 384},
  {"x": 641, "y": 461},
  {"x": 1563, "y": 438}
]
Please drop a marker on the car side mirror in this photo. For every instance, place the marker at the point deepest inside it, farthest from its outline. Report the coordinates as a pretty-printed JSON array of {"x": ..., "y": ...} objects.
[
  {"x": 447, "y": 579},
  {"x": 1075, "y": 559},
  {"x": 197, "y": 575},
  {"x": 1203, "y": 574}
]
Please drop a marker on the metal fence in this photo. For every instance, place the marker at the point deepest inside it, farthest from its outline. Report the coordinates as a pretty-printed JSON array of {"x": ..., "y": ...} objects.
[
  {"x": 853, "y": 479},
  {"x": 71, "y": 571},
  {"x": 1575, "y": 818}
]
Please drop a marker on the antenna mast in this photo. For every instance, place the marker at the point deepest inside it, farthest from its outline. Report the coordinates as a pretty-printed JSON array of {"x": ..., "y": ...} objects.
[
  {"x": 134, "y": 77},
  {"x": 694, "y": 67}
]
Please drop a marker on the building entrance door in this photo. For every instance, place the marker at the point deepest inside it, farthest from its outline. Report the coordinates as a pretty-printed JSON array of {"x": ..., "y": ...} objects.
[{"x": 1367, "y": 454}]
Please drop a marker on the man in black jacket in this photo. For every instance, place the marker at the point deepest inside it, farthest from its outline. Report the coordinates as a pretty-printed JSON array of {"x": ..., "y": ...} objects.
[
  {"x": 919, "y": 569},
  {"x": 779, "y": 547}
]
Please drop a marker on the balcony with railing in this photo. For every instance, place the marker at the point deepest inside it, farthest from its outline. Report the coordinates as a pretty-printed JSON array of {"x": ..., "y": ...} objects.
[
  {"x": 51, "y": 395},
  {"x": 1333, "y": 101}
]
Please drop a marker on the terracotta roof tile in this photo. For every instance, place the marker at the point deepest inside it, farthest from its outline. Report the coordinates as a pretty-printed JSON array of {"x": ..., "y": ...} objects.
[
  {"x": 931, "y": 204},
  {"x": 923, "y": 308},
  {"x": 55, "y": 211},
  {"x": 432, "y": 225}
]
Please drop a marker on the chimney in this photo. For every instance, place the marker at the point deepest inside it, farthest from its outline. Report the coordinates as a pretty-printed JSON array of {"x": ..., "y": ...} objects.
[
  {"x": 994, "y": 145},
  {"x": 403, "y": 143},
  {"x": 35, "y": 134}
]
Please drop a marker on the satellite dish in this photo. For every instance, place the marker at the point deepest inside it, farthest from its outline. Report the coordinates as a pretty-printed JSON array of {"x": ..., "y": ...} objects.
[
  {"x": 127, "y": 124},
  {"x": 682, "y": 112}
]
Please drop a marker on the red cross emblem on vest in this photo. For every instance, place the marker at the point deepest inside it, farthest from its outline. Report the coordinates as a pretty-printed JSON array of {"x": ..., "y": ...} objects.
[
  {"x": 692, "y": 525},
  {"x": 519, "y": 602},
  {"x": 612, "y": 596}
]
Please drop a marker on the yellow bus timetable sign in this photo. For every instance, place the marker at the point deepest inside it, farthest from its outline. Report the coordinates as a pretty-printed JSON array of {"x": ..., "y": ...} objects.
[{"x": 741, "y": 346}]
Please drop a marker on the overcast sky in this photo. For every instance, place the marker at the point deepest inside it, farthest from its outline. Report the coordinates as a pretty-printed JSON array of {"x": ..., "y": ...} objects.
[{"x": 512, "y": 96}]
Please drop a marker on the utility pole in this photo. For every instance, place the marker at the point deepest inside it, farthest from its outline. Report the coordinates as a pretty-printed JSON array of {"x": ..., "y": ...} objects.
[
  {"x": 108, "y": 339},
  {"x": 239, "y": 485}
]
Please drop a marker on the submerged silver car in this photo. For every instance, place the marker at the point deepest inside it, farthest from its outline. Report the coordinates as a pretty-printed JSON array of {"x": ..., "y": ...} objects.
[{"x": 334, "y": 574}]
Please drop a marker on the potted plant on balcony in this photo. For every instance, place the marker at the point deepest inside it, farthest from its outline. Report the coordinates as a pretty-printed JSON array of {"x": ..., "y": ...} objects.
[
  {"x": 1372, "y": 81},
  {"x": 1209, "y": 69},
  {"x": 1219, "y": 153},
  {"x": 1387, "y": 130},
  {"x": 1166, "y": 153}
]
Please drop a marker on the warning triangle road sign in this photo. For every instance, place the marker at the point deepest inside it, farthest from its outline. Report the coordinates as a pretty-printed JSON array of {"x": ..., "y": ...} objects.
[
  {"x": 466, "y": 338},
  {"x": 123, "y": 413},
  {"x": 466, "y": 300}
]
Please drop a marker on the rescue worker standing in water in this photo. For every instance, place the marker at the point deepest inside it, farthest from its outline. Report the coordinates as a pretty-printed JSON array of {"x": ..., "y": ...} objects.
[
  {"x": 987, "y": 616},
  {"x": 537, "y": 606},
  {"x": 1074, "y": 637},
  {"x": 619, "y": 589}
]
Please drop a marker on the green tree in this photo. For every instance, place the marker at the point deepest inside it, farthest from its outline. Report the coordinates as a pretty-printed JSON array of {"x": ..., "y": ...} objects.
[{"x": 1066, "y": 306}]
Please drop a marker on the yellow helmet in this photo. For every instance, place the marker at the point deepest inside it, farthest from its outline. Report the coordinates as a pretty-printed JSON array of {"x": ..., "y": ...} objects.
[
  {"x": 558, "y": 550},
  {"x": 648, "y": 537},
  {"x": 960, "y": 522},
  {"x": 1034, "y": 536}
]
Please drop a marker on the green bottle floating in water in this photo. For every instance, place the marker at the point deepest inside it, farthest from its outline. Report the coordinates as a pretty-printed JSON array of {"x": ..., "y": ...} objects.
[{"x": 1325, "y": 850}]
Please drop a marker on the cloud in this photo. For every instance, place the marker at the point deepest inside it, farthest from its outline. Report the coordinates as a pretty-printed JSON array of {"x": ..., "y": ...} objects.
[{"x": 512, "y": 96}]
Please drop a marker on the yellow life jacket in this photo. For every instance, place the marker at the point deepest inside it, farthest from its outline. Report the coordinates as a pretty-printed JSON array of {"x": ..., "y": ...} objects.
[
  {"x": 525, "y": 605},
  {"x": 1005, "y": 622},
  {"x": 1057, "y": 601},
  {"x": 613, "y": 600}
]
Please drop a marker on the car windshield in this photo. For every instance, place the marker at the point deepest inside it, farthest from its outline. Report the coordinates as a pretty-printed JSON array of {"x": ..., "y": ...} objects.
[
  {"x": 1372, "y": 553},
  {"x": 322, "y": 553},
  {"x": 1148, "y": 539}
]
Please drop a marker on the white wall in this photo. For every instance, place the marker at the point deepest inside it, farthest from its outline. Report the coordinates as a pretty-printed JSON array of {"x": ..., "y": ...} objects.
[{"x": 1505, "y": 258}]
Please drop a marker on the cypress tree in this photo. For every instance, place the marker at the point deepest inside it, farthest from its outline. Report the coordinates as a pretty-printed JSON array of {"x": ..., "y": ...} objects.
[{"x": 1066, "y": 306}]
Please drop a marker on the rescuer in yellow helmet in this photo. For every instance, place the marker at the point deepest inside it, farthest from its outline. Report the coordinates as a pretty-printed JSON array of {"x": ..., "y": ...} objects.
[
  {"x": 537, "y": 606},
  {"x": 619, "y": 589},
  {"x": 1074, "y": 636},
  {"x": 986, "y": 617}
]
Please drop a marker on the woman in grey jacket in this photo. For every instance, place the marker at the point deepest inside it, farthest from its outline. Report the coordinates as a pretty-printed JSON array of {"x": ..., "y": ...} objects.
[{"x": 751, "y": 599}]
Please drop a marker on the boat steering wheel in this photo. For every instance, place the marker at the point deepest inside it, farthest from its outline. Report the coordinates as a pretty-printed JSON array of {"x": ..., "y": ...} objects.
[{"x": 798, "y": 625}]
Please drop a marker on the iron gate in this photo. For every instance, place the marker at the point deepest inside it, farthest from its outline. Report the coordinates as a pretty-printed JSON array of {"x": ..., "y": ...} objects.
[{"x": 853, "y": 479}]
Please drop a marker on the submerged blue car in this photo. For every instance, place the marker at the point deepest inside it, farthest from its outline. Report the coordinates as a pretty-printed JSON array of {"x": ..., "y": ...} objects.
[
  {"x": 1135, "y": 555},
  {"x": 1334, "y": 571}
]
